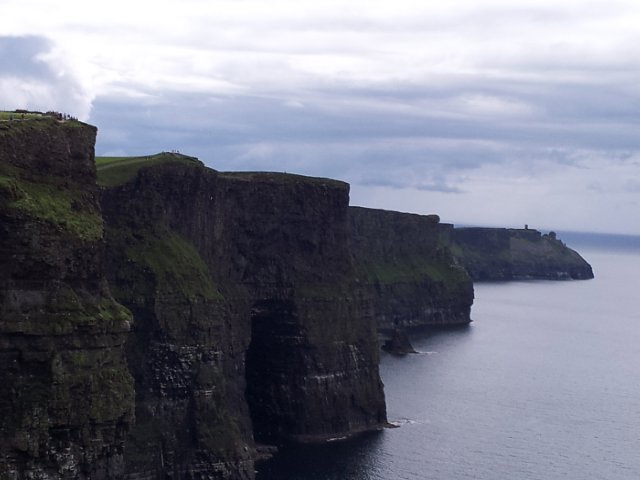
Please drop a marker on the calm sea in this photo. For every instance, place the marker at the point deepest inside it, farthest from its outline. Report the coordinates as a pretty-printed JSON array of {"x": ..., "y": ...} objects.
[{"x": 544, "y": 384}]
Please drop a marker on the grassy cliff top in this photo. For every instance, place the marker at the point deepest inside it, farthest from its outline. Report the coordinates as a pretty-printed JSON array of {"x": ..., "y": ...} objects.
[
  {"x": 113, "y": 171},
  {"x": 283, "y": 178},
  {"x": 22, "y": 119},
  {"x": 6, "y": 115}
]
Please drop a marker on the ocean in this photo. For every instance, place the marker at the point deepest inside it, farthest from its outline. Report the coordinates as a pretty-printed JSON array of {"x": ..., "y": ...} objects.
[{"x": 543, "y": 385}]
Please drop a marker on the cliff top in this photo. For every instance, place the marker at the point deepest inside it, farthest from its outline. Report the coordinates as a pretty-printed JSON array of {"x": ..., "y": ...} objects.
[
  {"x": 114, "y": 171},
  {"x": 47, "y": 173},
  {"x": 283, "y": 178},
  {"x": 18, "y": 118}
]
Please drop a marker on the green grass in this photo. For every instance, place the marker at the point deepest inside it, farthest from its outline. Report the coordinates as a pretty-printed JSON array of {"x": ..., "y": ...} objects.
[
  {"x": 19, "y": 116},
  {"x": 176, "y": 266},
  {"x": 283, "y": 178},
  {"x": 63, "y": 207},
  {"x": 415, "y": 270},
  {"x": 113, "y": 171},
  {"x": 12, "y": 122}
]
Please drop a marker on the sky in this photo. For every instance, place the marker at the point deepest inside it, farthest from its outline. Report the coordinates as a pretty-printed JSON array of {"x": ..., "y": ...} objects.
[{"x": 486, "y": 112}]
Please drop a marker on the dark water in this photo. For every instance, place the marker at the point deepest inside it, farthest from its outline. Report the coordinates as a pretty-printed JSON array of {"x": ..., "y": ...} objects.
[{"x": 545, "y": 384}]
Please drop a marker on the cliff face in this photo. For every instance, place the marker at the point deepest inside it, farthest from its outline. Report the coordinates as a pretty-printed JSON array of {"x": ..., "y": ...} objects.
[
  {"x": 406, "y": 268},
  {"x": 186, "y": 347},
  {"x": 254, "y": 296},
  {"x": 312, "y": 362},
  {"x": 260, "y": 266},
  {"x": 66, "y": 396},
  {"x": 512, "y": 254}
]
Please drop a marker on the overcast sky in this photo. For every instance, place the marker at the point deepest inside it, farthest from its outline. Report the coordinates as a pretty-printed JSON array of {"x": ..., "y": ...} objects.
[{"x": 485, "y": 112}]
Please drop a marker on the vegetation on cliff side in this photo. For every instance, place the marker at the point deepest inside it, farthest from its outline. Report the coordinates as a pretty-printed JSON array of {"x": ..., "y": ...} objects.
[
  {"x": 160, "y": 262},
  {"x": 57, "y": 201},
  {"x": 283, "y": 178}
]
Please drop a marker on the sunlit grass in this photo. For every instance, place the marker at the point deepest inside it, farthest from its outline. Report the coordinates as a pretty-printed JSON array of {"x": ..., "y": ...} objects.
[{"x": 113, "y": 171}]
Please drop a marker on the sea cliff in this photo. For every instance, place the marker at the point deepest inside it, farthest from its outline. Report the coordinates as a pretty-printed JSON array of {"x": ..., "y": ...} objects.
[
  {"x": 249, "y": 277},
  {"x": 66, "y": 395},
  {"x": 407, "y": 269},
  {"x": 517, "y": 254},
  {"x": 161, "y": 319}
]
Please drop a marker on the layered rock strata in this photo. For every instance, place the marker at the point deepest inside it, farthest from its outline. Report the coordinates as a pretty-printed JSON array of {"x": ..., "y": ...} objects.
[
  {"x": 406, "y": 268},
  {"x": 257, "y": 291},
  {"x": 66, "y": 395}
]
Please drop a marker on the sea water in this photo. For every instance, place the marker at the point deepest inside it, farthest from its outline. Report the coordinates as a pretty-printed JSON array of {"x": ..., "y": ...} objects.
[{"x": 544, "y": 384}]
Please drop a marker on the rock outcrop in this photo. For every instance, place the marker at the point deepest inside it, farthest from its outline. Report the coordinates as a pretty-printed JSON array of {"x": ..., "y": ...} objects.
[
  {"x": 66, "y": 395},
  {"x": 406, "y": 270},
  {"x": 517, "y": 254}
]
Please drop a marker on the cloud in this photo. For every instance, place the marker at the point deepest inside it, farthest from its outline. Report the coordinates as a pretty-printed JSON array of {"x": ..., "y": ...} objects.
[
  {"x": 35, "y": 76},
  {"x": 452, "y": 102}
]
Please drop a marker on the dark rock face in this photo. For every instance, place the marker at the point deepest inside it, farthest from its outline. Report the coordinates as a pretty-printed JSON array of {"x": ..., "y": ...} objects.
[
  {"x": 66, "y": 396},
  {"x": 406, "y": 269},
  {"x": 516, "y": 254},
  {"x": 186, "y": 351},
  {"x": 286, "y": 350}
]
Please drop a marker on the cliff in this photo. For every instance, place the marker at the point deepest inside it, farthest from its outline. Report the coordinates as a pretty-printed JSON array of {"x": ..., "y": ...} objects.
[
  {"x": 66, "y": 396},
  {"x": 406, "y": 269},
  {"x": 516, "y": 254},
  {"x": 245, "y": 321},
  {"x": 170, "y": 322}
]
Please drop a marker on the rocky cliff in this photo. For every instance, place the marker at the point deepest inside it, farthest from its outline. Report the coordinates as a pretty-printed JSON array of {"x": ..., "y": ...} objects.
[
  {"x": 406, "y": 269},
  {"x": 66, "y": 395},
  {"x": 252, "y": 301},
  {"x": 513, "y": 254},
  {"x": 245, "y": 320}
]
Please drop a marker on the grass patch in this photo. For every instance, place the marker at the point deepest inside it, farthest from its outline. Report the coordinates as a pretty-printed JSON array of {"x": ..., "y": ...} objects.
[
  {"x": 12, "y": 123},
  {"x": 20, "y": 116},
  {"x": 162, "y": 262},
  {"x": 63, "y": 206},
  {"x": 415, "y": 270},
  {"x": 176, "y": 265},
  {"x": 283, "y": 178},
  {"x": 113, "y": 171}
]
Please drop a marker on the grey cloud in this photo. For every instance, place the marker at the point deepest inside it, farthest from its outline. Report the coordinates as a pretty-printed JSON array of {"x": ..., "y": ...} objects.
[
  {"x": 632, "y": 185},
  {"x": 356, "y": 144},
  {"x": 397, "y": 133}
]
